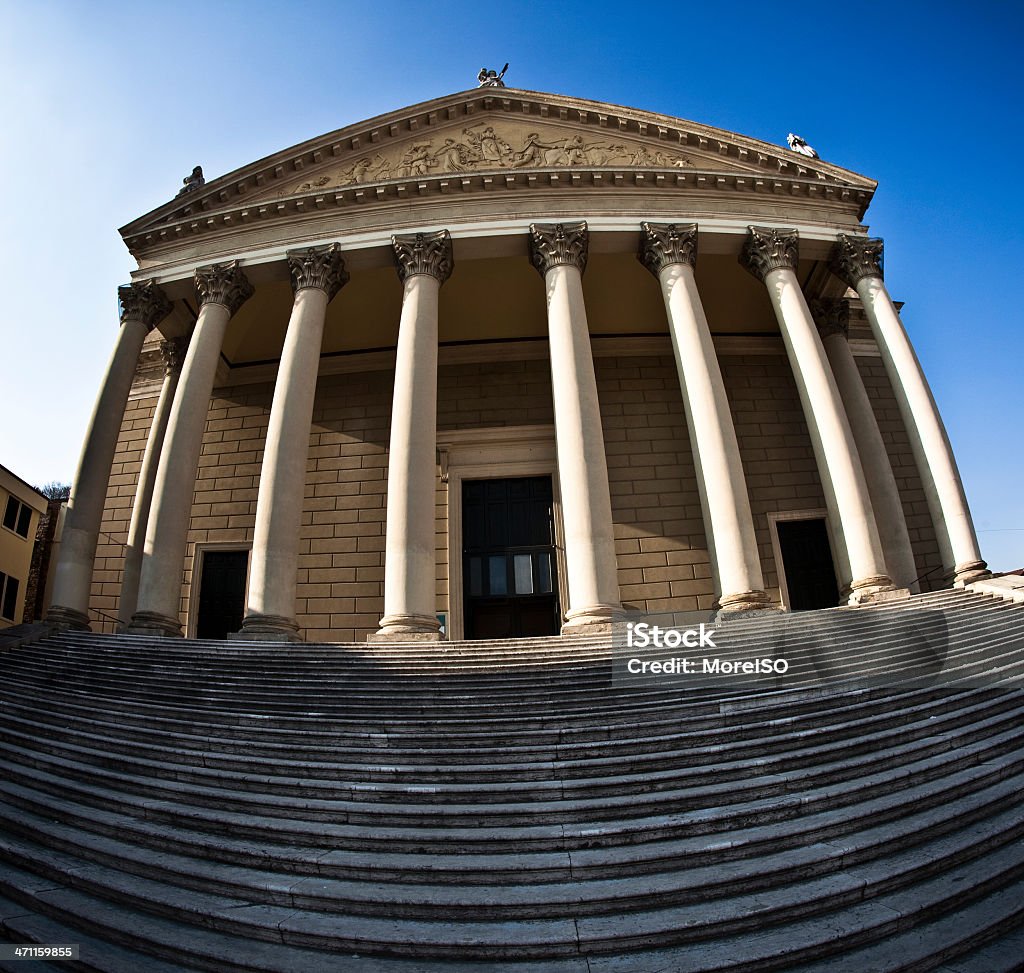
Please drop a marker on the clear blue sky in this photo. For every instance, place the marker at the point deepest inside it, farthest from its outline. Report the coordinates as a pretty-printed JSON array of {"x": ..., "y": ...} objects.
[{"x": 107, "y": 105}]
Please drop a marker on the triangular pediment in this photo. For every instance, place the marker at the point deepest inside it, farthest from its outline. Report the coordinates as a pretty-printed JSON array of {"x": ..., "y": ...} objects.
[
  {"x": 501, "y": 131},
  {"x": 493, "y": 142}
]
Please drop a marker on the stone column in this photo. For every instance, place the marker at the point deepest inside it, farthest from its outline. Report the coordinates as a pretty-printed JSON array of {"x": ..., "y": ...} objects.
[
  {"x": 173, "y": 352},
  {"x": 669, "y": 252},
  {"x": 424, "y": 262},
  {"x": 771, "y": 256},
  {"x": 143, "y": 306},
  {"x": 317, "y": 275},
  {"x": 832, "y": 318},
  {"x": 221, "y": 291},
  {"x": 559, "y": 252},
  {"x": 858, "y": 263}
]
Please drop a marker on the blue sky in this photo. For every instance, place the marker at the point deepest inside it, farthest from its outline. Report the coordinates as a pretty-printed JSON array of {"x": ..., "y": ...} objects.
[{"x": 107, "y": 105}]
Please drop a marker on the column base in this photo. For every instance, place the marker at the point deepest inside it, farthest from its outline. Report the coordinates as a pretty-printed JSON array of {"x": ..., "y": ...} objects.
[
  {"x": 872, "y": 591},
  {"x": 266, "y": 628},
  {"x": 595, "y": 620},
  {"x": 965, "y": 574},
  {"x": 407, "y": 628},
  {"x": 153, "y": 623},
  {"x": 745, "y": 604},
  {"x": 62, "y": 617}
]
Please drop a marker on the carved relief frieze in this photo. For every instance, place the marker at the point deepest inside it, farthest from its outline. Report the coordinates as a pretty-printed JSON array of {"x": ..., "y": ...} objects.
[{"x": 485, "y": 147}]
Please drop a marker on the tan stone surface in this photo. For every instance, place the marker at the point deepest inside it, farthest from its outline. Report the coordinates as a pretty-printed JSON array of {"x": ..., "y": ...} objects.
[{"x": 661, "y": 550}]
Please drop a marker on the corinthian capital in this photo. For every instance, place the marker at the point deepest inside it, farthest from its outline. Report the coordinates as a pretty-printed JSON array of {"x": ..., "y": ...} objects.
[
  {"x": 223, "y": 284},
  {"x": 662, "y": 244},
  {"x": 769, "y": 248},
  {"x": 424, "y": 253},
  {"x": 143, "y": 301},
  {"x": 832, "y": 316},
  {"x": 173, "y": 352},
  {"x": 321, "y": 267},
  {"x": 853, "y": 258},
  {"x": 552, "y": 244}
]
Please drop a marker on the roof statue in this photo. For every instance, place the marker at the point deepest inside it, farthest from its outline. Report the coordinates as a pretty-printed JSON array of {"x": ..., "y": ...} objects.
[
  {"x": 193, "y": 181},
  {"x": 491, "y": 79},
  {"x": 800, "y": 145}
]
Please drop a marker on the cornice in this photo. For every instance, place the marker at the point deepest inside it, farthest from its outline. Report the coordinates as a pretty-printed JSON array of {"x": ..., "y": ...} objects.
[
  {"x": 688, "y": 183},
  {"x": 224, "y": 202}
]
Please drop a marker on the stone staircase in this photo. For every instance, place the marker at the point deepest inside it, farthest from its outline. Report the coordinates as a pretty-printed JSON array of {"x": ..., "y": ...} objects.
[{"x": 515, "y": 806}]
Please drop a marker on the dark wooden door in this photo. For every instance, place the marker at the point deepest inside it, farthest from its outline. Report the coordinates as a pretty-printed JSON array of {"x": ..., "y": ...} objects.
[
  {"x": 221, "y": 593},
  {"x": 807, "y": 561},
  {"x": 509, "y": 578}
]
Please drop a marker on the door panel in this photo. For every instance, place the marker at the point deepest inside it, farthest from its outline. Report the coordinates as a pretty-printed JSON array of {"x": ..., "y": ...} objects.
[
  {"x": 509, "y": 578},
  {"x": 807, "y": 561},
  {"x": 221, "y": 593}
]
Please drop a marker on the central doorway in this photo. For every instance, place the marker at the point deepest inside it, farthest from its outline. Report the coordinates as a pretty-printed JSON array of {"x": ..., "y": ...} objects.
[
  {"x": 810, "y": 576},
  {"x": 509, "y": 576},
  {"x": 221, "y": 593}
]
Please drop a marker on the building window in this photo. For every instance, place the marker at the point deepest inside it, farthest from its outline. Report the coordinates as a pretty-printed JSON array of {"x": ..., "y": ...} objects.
[
  {"x": 17, "y": 516},
  {"x": 8, "y": 596}
]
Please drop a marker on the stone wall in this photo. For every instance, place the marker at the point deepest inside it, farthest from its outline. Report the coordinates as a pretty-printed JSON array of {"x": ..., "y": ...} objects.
[{"x": 663, "y": 561}]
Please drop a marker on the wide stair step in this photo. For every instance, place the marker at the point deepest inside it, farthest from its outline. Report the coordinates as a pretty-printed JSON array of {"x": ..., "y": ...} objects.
[{"x": 517, "y": 806}]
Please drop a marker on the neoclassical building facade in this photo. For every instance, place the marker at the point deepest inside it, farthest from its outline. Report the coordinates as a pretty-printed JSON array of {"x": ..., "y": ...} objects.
[{"x": 506, "y": 364}]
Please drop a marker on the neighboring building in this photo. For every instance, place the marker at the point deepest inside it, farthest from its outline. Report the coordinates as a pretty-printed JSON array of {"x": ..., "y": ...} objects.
[
  {"x": 293, "y": 442},
  {"x": 21, "y": 507}
]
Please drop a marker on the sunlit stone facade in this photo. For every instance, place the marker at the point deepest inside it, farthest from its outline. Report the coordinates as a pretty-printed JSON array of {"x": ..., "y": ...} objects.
[{"x": 505, "y": 364}]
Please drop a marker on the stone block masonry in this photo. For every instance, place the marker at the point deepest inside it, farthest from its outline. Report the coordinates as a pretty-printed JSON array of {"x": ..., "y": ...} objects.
[{"x": 661, "y": 547}]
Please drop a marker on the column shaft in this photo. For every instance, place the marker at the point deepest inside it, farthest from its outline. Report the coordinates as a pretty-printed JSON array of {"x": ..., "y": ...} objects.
[
  {"x": 944, "y": 490},
  {"x": 559, "y": 253},
  {"x": 885, "y": 494},
  {"x": 410, "y": 561},
  {"x": 846, "y": 491},
  {"x": 275, "y": 546},
  {"x": 771, "y": 255},
  {"x": 410, "y": 612},
  {"x": 222, "y": 290},
  {"x": 143, "y": 306},
  {"x": 669, "y": 252},
  {"x": 317, "y": 275},
  {"x": 173, "y": 354}
]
